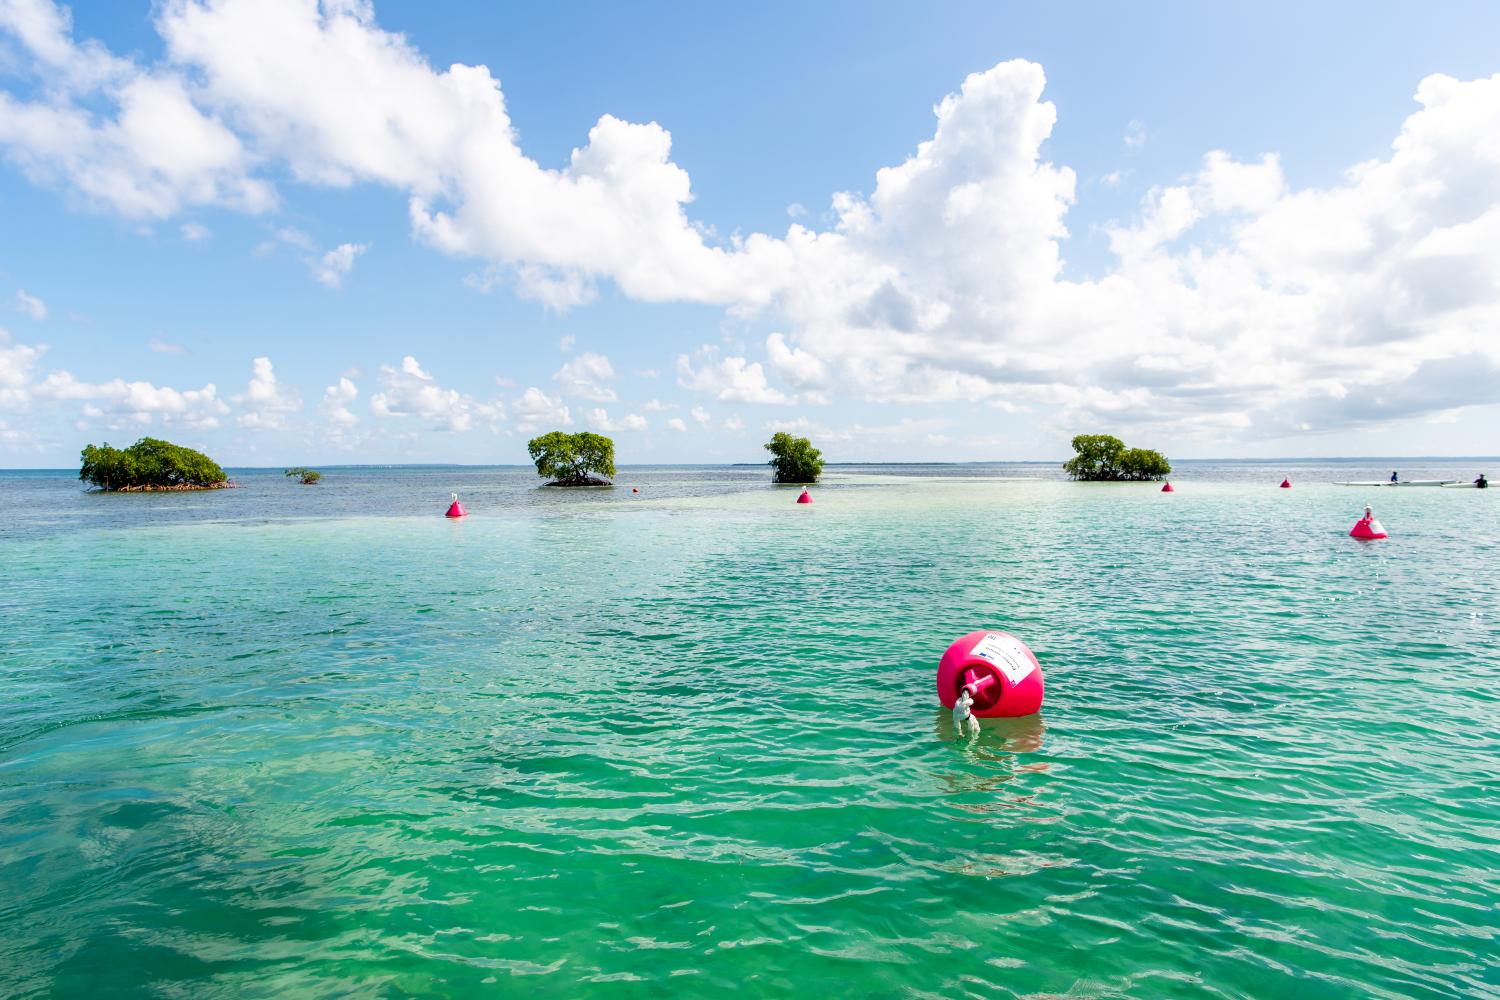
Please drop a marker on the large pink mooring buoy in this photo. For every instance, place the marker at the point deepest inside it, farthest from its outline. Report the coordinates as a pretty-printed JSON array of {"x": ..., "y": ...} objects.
[
  {"x": 456, "y": 509},
  {"x": 1367, "y": 529},
  {"x": 1168, "y": 487},
  {"x": 1286, "y": 484},
  {"x": 806, "y": 497},
  {"x": 998, "y": 671}
]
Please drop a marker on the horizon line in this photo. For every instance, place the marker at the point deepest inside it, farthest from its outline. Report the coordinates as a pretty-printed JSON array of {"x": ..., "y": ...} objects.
[{"x": 1383, "y": 459}]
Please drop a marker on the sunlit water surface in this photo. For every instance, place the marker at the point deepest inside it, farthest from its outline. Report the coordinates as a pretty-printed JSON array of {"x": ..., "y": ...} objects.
[{"x": 320, "y": 741}]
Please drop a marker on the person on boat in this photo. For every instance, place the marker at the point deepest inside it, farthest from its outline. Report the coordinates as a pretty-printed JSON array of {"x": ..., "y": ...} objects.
[
  {"x": 1394, "y": 477},
  {"x": 1482, "y": 482}
]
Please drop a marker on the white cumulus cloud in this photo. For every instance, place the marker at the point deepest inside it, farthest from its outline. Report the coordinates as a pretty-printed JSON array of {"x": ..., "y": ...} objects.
[
  {"x": 125, "y": 404},
  {"x": 534, "y": 410},
  {"x": 585, "y": 377},
  {"x": 17, "y": 372},
  {"x": 409, "y": 391},
  {"x": 600, "y": 420},
  {"x": 1235, "y": 304},
  {"x": 266, "y": 403},
  {"x": 732, "y": 379},
  {"x": 334, "y": 407}
]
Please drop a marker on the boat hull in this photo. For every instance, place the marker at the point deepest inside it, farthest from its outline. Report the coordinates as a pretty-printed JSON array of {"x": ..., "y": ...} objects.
[{"x": 1407, "y": 482}]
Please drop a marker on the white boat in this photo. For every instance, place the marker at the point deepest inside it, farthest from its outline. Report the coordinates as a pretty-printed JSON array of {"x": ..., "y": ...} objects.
[
  {"x": 1461, "y": 486},
  {"x": 1407, "y": 482}
]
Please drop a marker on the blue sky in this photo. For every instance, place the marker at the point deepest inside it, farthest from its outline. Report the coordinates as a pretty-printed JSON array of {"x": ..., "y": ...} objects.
[{"x": 286, "y": 203}]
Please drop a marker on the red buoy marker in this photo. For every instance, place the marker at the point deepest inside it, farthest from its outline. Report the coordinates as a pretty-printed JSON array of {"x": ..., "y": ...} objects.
[
  {"x": 634, "y": 490},
  {"x": 1168, "y": 487},
  {"x": 1000, "y": 673},
  {"x": 456, "y": 509},
  {"x": 1367, "y": 529},
  {"x": 806, "y": 497},
  {"x": 1286, "y": 484}
]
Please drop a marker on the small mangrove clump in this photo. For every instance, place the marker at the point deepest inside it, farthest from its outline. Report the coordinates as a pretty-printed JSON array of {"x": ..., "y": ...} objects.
[
  {"x": 573, "y": 459},
  {"x": 149, "y": 465},
  {"x": 1104, "y": 458},
  {"x": 306, "y": 477},
  {"x": 794, "y": 459}
]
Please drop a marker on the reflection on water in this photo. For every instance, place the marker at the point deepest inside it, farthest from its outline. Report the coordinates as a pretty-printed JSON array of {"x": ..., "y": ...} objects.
[{"x": 1013, "y": 735}]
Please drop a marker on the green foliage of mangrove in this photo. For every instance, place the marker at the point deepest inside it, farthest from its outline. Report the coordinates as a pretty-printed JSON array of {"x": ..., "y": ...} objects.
[
  {"x": 794, "y": 458},
  {"x": 305, "y": 476},
  {"x": 149, "y": 464},
  {"x": 1104, "y": 458},
  {"x": 573, "y": 459}
]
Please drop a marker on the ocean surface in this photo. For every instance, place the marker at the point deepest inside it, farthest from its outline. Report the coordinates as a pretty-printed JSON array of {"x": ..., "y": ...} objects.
[{"x": 288, "y": 741}]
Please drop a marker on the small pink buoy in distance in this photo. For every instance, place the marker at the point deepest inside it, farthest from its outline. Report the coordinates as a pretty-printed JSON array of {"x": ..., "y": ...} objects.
[
  {"x": 1286, "y": 484},
  {"x": 1000, "y": 672},
  {"x": 806, "y": 497},
  {"x": 456, "y": 509},
  {"x": 1367, "y": 529},
  {"x": 634, "y": 490},
  {"x": 1168, "y": 487}
]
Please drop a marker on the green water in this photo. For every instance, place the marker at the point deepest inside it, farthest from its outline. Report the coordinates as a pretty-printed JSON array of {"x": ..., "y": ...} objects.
[{"x": 688, "y": 743}]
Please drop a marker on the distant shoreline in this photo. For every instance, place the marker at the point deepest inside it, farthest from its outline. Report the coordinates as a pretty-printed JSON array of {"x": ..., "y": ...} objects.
[{"x": 1392, "y": 461}]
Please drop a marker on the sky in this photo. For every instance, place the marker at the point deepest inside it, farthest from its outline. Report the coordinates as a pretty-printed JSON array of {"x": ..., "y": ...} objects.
[{"x": 289, "y": 232}]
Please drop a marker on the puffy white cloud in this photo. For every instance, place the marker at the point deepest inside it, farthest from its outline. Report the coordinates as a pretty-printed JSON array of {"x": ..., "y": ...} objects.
[
  {"x": 584, "y": 377},
  {"x": 31, "y": 305},
  {"x": 124, "y": 404},
  {"x": 676, "y": 424},
  {"x": 334, "y": 266},
  {"x": 266, "y": 402},
  {"x": 152, "y": 153},
  {"x": 801, "y": 368},
  {"x": 535, "y": 410},
  {"x": 17, "y": 372},
  {"x": 408, "y": 391},
  {"x": 334, "y": 408},
  {"x": 733, "y": 380},
  {"x": 734, "y": 424},
  {"x": 1135, "y": 134},
  {"x": 160, "y": 346},
  {"x": 700, "y": 415},
  {"x": 599, "y": 420},
  {"x": 1235, "y": 305},
  {"x": 657, "y": 406},
  {"x": 194, "y": 232}
]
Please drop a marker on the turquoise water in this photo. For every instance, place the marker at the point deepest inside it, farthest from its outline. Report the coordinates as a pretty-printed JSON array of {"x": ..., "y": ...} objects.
[{"x": 319, "y": 741}]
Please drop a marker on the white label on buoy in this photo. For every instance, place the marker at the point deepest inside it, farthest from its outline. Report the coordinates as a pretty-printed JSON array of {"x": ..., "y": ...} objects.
[{"x": 1007, "y": 654}]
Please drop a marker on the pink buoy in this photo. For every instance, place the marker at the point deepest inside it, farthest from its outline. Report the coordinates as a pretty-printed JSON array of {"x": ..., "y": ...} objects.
[
  {"x": 1001, "y": 674},
  {"x": 1367, "y": 529},
  {"x": 456, "y": 509},
  {"x": 1286, "y": 484},
  {"x": 1168, "y": 488},
  {"x": 806, "y": 497}
]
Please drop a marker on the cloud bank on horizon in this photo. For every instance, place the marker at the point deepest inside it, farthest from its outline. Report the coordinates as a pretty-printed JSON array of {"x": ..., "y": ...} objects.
[{"x": 1235, "y": 306}]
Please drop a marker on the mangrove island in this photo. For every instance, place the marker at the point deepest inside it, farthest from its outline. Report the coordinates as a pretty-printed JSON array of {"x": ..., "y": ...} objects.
[
  {"x": 580, "y": 459},
  {"x": 149, "y": 465}
]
